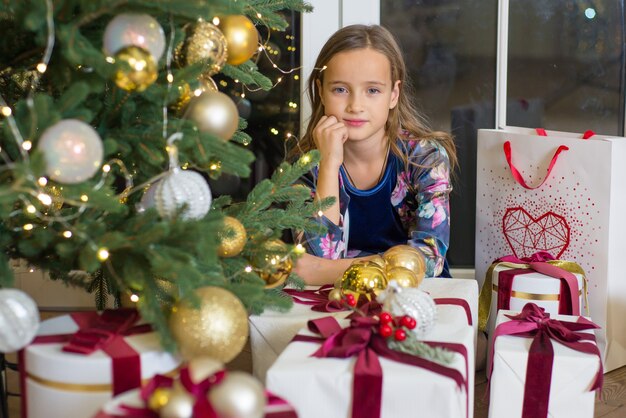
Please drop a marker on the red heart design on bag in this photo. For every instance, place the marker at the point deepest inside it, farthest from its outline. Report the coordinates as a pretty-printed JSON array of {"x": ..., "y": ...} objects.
[{"x": 527, "y": 235}]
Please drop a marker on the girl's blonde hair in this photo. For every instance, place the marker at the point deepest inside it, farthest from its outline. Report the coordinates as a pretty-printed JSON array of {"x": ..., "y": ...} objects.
[{"x": 404, "y": 119}]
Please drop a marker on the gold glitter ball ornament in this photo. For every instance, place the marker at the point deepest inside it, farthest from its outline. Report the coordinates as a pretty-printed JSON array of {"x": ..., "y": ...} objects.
[
  {"x": 242, "y": 38},
  {"x": 404, "y": 276},
  {"x": 138, "y": 70},
  {"x": 363, "y": 279},
  {"x": 407, "y": 257},
  {"x": 203, "y": 41},
  {"x": 273, "y": 262},
  {"x": 232, "y": 236},
  {"x": 218, "y": 328},
  {"x": 159, "y": 398}
]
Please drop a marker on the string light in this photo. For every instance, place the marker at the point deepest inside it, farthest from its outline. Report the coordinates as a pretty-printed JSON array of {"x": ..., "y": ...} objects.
[
  {"x": 45, "y": 199},
  {"x": 28, "y": 227},
  {"x": 27, "y": 145},
  {"x": 299, "y": 249},
  {"x": 134, "y": 298},
  {"x": 216, "y": 21},
  {"x": 6, "y": 111},
  {"x": 67, "y": 234},
  {"x": 42, "y": 181},
  {"x": 320, "y": 213},
  {"x": 84, "y": 198},
  {"x": 170, "y": 78},
  {"x": 31, "y": 209},
  {"x": 274, "y": 131},
  {"x": 103, "y": 254},
  {"x": 110, "y": 60},
  {"x": 306, "y": 159},
  {"x": 248, "y": 269},
  {"x": 41, "y": 67},
  {"x": 106, "y": 168}
]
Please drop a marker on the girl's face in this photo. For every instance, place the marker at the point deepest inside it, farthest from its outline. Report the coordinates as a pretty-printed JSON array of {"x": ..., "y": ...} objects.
[{"x": 359, "y": 92}]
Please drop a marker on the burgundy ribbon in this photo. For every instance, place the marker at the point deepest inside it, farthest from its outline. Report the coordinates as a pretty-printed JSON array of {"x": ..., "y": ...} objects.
[
  {"x": 534, "y": 323},
  {"x": 458, "y": 302},
  {"x": 104, "y": 332},
  {"x": 569, "y": 302},
  {"x": 359, "y": 339}
]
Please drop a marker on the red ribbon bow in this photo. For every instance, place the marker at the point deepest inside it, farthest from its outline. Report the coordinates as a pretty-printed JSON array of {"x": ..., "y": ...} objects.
[
  {"x": 534, "y": 323},
  {"x": 360, "y": 339},
  {"x": 569, "y": 303}
]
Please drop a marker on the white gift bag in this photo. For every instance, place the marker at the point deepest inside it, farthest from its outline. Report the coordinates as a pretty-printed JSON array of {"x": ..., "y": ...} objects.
[{"x": 565, "y": 195}]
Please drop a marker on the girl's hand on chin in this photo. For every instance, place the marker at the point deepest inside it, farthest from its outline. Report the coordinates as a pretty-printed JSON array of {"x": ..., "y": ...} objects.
[{"x": 329, "y": 135}]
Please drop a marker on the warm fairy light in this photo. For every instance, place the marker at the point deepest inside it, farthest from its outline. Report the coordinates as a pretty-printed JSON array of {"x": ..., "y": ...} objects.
[
  {"x": 42, "y": 181},
  {"x": 31, "y": 209},
  {"x": 260, "y": 48},
  {"x": 28, "y": 227},
  {"x": 134, "y": 298},
  {"x": 84, "y": 198},
  {"x": 41, "y": 67},
  {"x": 259, "y": 15},
  {"x": 296, "y": 77},
  {"x": 45, "y": 199},
  {"x": 216, "y": 21},
  {"x": 276, "y": 66},
  {"x": 288, "y": 134},
  {"x": 67, "y": 234},
  {"x": 110, "y": 60},
  {"x": 279, "y": 79},
  {"x": 27, "y": 145},
  {"x": 293, "y": 105},
  {"x": 170, "y": 78},
  {"x": 6, "y": 111},
  {"x": 243, "y": 95},
  {"x": 274, "y": 260},
  {"x": 223, "y": 83},
  {"x": 299, "y": 249},
  {"x": 248, "y": 269},
  {"x": 306, "y": 159},
  {"x": 274, "y": 131},
  {"x": 31, "y": 270},
  {"x": 106, "y": 168},
  {"x": 213, "y": 166},
  {"x": 236, "y": 81},
  {"x": 320, "y": 213},
  {"x": 103, "y": 254},
  {"x": 197, "y": 92}
]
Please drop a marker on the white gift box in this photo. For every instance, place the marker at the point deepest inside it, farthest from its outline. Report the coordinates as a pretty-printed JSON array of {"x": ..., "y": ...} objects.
[
  {"x": 322, "y": 387},
  {"x": 271, "y": 331},
  {"x": 540, "y": 289},
  {"x": 573, "y": 373},
  {"x": 59, "y": 384}
]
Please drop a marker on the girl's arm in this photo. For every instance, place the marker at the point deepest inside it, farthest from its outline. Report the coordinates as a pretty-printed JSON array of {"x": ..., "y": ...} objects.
[
  {"x": 431, "y": 230},
  {"x": 318, "y": 271}
]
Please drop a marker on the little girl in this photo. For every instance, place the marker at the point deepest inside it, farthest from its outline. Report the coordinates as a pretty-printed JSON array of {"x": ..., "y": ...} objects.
[{"x": 388, "y": 173}]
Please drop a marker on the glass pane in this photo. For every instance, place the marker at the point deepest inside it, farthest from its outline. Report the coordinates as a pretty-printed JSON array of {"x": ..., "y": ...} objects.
[
  {"x": 450, "y": 49},
  {"x": 566, "y": 60}
]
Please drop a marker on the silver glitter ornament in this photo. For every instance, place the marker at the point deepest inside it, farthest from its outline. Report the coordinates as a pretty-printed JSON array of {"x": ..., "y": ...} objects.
[
  {"x": 19, "y": 320},
  {"x": 413, "y": 302}
]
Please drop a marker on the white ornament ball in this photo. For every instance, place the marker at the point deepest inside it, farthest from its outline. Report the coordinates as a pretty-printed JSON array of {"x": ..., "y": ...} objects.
[
  {"x": 140, "y": 30},
  {"x": 178, "y": 188},
  {"x": 73, "y": 151},
  {"x": 411, "y": 301},
  {"x": 239, "y": 395},
  {"x": 19, "y": 320}
]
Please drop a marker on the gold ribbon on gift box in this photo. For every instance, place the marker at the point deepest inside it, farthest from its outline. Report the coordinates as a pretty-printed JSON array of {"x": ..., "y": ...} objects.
[
  {"x": 86, "y": 387},
  {"x": 484, "y": 301}
]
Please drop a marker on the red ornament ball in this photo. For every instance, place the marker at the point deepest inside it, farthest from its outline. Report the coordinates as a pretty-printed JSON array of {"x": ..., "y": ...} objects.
[
  {"x": 350, "y": 299},
  {"x": 385, "y": 331},
  {"x": 400, "y": 334},
  {"x": 386, "y": 318},
  {"x": 408, "y": 322}
]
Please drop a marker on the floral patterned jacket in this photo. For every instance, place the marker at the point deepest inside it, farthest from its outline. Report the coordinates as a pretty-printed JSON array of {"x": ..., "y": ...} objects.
[{"x": 420, "y": 197}]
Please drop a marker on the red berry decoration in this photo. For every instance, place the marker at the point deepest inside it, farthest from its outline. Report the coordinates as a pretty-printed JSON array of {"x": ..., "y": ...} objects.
[
  {"x": 386, "y": 318},
  {"x": 385, "y": 331},
  {"x": 408, "y": 322},
  {"x": 400, "y": 334},
  {"x": 350, "y": 300}
]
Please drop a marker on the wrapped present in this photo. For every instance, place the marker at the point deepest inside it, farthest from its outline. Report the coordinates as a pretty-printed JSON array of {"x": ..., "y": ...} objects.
[
  {"x": 355, "y": 374},
  {"x": 543, "y": 365},
  {"x": 557, "y": 286},
  {"x": 271, "y": 332},
  {"x": 79, "y": 361},
  {"x": 151, "y": 400}
]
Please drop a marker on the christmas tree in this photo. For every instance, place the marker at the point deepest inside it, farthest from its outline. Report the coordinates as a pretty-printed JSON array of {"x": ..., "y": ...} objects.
[{"x": 110, "y": 124}]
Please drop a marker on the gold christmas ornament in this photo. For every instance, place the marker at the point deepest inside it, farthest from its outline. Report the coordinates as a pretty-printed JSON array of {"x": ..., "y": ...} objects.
[
  {"x": 187, "y": 92},
  {"x": 138, "y": 70},
  {"x": 335, "y": 295},
  {"x": 404, "y": 276},
  {"x": 203, "y": 41},
  {"x": 378, "y": 260},
  {"x": 239, "y": 395},
  {"x": 273, "y": 261},
  {"x": 214, "y": 113},
  {"x": 363, "y": 279},
  {"x": 159, "y": 398},
  {"x": 180, "y": 404},
  {"x": 242, "y": 38},
  {"x": 232, "y": 236},
  {"x": 218, "y": 328},
  {"x": 407, "y": 257}
]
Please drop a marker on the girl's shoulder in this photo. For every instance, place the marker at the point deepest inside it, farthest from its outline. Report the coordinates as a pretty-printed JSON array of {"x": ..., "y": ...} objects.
[{"x": 422, "y": 151}]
